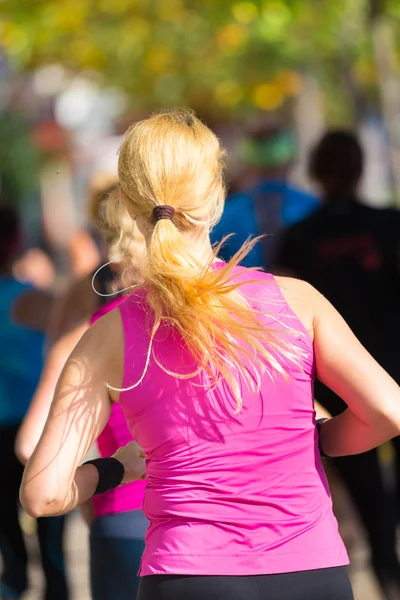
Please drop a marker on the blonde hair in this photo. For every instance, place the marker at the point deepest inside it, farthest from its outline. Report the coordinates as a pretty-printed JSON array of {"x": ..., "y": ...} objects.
[{"x": 173, "y": 158}]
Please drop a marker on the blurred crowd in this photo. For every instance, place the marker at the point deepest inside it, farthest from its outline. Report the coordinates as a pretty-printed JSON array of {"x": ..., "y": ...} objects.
[{"x": 329, "y": 237}]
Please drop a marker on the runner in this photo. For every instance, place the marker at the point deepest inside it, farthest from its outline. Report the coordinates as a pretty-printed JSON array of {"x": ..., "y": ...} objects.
[
  {"x": 117, "y": 524},
  {"x": 23, "y": 318},
  {"x": 350, "y": 253},
  {"x": 213, "y": 365},
  {"x": 269, "y": 203}
]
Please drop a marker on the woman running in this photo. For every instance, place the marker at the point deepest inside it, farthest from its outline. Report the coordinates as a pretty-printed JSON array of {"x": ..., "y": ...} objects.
[
  {"x": 116, "y": 521},
  {"x": 213, "y": 365},
  {"x": 24, "y": 313}
]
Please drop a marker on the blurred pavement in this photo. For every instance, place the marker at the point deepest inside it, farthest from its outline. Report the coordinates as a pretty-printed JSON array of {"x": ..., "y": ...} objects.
[
  {"x": 77, "y": 548},
  {"x": 78, "y": 561}
]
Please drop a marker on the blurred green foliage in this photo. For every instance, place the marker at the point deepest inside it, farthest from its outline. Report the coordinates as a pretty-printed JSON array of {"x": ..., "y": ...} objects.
[
  {"x": 19, "y": 159},
  {"x": 229, "y": 56}
]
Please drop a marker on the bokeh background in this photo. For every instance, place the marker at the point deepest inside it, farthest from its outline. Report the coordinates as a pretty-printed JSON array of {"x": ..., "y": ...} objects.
[{"x": 73, "y": 74}]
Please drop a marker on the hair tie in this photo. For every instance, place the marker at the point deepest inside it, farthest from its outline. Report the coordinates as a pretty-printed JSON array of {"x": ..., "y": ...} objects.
[{"x": 164, "y": 211}]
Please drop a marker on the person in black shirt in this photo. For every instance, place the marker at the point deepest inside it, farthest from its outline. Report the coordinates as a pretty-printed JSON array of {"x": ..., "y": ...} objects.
[{"x": 351, "y": 253}]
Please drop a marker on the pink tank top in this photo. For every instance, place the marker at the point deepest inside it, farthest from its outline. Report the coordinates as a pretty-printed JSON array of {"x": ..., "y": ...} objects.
[
  {"x": 115, "y": 435},
  {"x": 226, "y": 494}
]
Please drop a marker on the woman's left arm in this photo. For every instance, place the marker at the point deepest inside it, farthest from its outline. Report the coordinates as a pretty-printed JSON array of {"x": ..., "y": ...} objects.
[{"x": 52, "y": 483}]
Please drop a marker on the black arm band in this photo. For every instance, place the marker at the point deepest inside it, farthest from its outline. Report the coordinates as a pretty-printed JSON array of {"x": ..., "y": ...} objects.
[
  {"x": 319, "y": 423},
  {"x": 111, "y": 473}
]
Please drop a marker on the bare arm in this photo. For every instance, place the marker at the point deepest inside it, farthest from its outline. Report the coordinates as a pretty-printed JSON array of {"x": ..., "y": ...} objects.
[
  {"x": 87, "y": 512},
  {"x": 68, "y": 321},
  {"x": 35, "y": 419},
  {"x": 343, "y": 364},
  {"x": 52, "y": 483},
  {"x": 32, "y": 310},
  {"x": 373, "y": 397}
]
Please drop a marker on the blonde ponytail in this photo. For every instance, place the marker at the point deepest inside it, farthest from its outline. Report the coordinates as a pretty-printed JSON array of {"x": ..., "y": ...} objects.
[{"x": 173, "y": 158}]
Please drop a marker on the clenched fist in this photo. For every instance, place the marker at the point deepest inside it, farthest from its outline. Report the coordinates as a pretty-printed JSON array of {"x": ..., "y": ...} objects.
[{"x": 134, "y": 461}]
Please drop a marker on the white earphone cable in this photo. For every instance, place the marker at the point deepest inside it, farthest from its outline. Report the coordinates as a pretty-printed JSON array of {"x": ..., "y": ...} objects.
[{"x": 109, "y": 263}]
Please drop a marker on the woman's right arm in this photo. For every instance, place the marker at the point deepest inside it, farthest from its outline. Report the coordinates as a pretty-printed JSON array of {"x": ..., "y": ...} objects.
[
  {"x": 372, "y": 396},
  {"x": 345, "y": 366}
]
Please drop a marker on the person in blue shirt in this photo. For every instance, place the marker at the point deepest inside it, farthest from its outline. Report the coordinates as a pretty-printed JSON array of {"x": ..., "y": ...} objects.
[
  {"x": 270, "y": 204},
  {"x": 23, "y": 318}
]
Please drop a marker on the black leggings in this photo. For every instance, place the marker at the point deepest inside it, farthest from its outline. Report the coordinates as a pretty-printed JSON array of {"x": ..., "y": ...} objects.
[
  {"x": 322, "y": 584},
  {"x": 13, "y": 581}
]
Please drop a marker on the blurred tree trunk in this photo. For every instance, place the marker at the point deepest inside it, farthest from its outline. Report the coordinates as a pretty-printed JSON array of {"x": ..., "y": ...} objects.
[
  {"x": 357, "y": 95},
  {"x": 309, "y": 122},
  {"x": 386, "y": 64}
]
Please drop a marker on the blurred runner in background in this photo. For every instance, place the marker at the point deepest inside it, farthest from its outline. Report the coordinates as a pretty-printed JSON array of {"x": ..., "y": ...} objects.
[
  {"x": 23, "y": 318},
  {"x": 35, "y": 267},
  {"x": 117, "y": 524},
  {"x": 270, "y": 203},
  {"x": 351, "y": 252}
]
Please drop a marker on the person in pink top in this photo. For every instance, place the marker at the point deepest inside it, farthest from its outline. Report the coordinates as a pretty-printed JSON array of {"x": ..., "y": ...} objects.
[
  {"x": 118, "y": 526},
  {"x": 115, "y": 519},
  {"x": 213, "y": 365}
]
